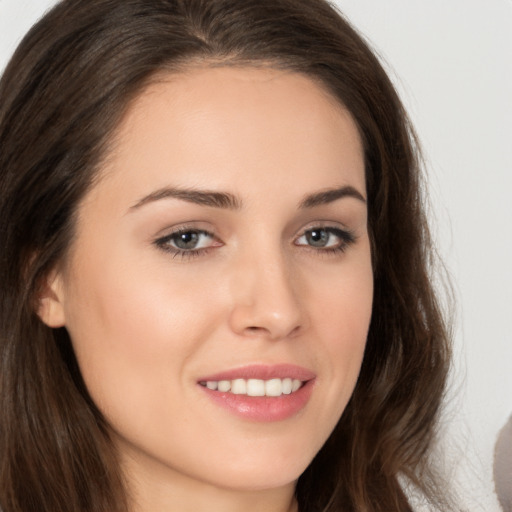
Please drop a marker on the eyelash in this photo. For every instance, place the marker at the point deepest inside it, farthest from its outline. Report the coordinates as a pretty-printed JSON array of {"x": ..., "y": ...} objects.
[{"x": 346, "y": 237}]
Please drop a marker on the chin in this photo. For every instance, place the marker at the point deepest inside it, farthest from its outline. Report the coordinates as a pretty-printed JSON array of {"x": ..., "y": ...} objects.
[
  {"x": 260, "y": 479},
  {"x": 255, "y": 472}
]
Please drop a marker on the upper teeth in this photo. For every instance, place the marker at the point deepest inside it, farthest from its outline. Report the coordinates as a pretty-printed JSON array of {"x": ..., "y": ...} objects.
[{"x": 255, "y": 387}]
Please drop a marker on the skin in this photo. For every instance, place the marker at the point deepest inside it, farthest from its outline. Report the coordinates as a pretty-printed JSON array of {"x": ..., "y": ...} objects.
[{"x": 146, "y": 323}]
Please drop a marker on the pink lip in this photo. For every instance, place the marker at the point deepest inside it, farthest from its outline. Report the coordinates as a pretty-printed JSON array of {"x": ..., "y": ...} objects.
[
  {"x": 263, "y": 372},
  {"x": 262, "y": 408}
]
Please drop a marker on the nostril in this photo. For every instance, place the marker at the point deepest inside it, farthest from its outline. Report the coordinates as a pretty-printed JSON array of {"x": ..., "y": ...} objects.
[
  {"x": 254, "y": 329},
  {"x": 271, "y": 333}
]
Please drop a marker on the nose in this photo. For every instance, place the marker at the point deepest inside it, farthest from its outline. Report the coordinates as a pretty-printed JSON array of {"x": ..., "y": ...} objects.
[{"x": 267, "y": 300}]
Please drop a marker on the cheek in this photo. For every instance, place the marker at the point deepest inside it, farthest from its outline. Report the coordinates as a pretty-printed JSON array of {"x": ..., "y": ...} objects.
[
  {"x": 342, "y": 302},
  {"x": 341, "y": 312},
  {"x": 134, "y": 330}
]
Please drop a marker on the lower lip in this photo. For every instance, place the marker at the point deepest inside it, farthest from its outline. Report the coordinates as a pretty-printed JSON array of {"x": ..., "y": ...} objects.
[{"x": 263, "y": 408}]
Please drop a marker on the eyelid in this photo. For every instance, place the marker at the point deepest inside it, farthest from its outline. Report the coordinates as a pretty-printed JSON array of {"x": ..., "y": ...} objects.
[{"x": 191, "y": 225}]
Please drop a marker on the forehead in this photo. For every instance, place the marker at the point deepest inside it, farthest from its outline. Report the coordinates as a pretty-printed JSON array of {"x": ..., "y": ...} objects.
[{"x": 225, "y": 126}]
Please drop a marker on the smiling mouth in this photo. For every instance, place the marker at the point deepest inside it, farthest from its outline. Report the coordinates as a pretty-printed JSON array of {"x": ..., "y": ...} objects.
[
  {"x": 255, "y": 387},
  {"x": 260, "y": 392}
]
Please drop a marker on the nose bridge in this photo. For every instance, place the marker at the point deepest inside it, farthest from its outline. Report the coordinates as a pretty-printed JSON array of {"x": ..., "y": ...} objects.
[{"x": 266, "y": 299}]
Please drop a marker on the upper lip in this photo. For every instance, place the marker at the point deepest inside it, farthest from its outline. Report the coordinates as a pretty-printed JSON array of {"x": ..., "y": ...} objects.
[{"x": 263, "y": 372}]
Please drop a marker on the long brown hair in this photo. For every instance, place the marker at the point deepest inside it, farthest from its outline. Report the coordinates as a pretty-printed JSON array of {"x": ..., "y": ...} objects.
[{"x": 61, "y": 97}]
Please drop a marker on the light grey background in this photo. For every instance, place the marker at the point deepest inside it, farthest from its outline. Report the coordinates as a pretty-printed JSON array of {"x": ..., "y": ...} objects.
[{"x": 452, "y": 63}]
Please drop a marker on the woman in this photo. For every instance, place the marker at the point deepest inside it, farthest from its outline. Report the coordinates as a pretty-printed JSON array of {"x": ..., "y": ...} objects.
[{"x": 215, "y": 265}]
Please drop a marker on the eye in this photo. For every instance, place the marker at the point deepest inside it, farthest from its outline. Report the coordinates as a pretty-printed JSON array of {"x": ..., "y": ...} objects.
[
  {"x": 326, "y": 238},
  {"x": 187, "y": 242}
]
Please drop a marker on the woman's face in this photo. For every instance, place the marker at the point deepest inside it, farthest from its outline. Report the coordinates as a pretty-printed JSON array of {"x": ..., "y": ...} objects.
[{"x": 225, "y": 245}]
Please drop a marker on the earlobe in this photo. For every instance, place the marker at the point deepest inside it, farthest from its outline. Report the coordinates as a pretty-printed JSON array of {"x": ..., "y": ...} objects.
[{"x": 50, "y": 301}]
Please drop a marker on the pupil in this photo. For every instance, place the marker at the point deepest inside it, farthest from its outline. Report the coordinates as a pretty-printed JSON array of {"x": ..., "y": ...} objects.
[
  {"x": 318, "y": 237},
  {"x": 187, "y": 240}
]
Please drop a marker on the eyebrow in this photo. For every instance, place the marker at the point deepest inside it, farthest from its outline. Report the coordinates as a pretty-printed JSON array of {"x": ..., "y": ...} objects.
[
  {"x": 225, "y": 200},
  {"x": 201, "y": 197},
  {"x": 329, "y": 196}
]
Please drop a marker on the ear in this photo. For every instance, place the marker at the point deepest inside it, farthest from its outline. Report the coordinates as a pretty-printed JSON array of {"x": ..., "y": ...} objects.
[{"x": 50, "y": 301}]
